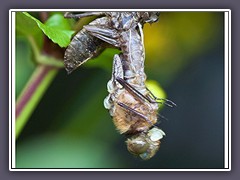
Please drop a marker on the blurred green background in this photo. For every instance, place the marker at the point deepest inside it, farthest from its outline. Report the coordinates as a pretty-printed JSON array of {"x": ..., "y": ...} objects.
[{"x": 71, "y": 129}]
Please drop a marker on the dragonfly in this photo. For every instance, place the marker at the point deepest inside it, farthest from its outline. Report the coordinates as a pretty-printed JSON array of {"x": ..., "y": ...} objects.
[{"x": 131, "y": 104}]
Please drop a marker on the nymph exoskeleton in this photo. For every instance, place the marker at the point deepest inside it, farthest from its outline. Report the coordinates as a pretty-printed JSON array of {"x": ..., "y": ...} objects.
[
  {"x": 85, "y": 45},
  {"x": 133, "y": 107}
]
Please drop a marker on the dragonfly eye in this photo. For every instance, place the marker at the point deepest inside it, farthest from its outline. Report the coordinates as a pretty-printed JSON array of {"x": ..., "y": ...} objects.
[{"x": 145, "y": 145}]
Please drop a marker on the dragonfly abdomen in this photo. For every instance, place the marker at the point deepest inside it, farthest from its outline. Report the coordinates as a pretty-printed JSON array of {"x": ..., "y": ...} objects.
[{"x": 82, "y": 47}]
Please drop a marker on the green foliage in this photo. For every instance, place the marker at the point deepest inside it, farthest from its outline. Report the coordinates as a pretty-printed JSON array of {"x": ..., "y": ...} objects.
[
  {"x": 29, "y": 28},
  {"x": 61, "y": 151},
  {"x": 26, "y": 25},
  {"x": 24, "y": 64},
  {"x": 56, "y": 28}
]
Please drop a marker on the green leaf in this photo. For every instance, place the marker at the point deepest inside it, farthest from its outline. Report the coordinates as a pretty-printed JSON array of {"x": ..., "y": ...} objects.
[
  {"x": 57, "y": 31},
  {"x": 58, "y": 21},
  {"x": 25, "y": 25}
]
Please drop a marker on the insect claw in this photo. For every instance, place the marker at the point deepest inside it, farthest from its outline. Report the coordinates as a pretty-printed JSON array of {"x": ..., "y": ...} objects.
[
  {"x": 163, "y": 117},
  {"x": 86, "y": 14},
  {"x": 167, "y": 102}
]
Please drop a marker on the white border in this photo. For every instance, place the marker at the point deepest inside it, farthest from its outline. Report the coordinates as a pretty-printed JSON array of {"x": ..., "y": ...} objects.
[
  {"x": 10, "y": 91},
  {"x": 162, "y": 10},
  {"x": 12, "y": 87},
  {"x": 227, "y": 89}
]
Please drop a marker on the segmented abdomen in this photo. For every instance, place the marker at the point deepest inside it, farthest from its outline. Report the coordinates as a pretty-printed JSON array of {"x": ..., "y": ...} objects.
[{"x": 82, "y": 47}]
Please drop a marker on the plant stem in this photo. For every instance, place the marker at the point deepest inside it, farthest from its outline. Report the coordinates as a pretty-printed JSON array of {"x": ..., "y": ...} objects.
[
  {"x": 49, "y": 60},
  {"x": 44, "y": 59},
  {"x": 32, "y": 93}
]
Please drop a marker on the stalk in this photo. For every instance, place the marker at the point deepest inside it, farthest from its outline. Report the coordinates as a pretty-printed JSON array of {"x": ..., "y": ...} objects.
[{"x": 32, "y": 93}]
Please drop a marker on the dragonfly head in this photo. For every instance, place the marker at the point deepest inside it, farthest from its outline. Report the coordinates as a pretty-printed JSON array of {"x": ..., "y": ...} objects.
[{"x": 145, "y": 145}]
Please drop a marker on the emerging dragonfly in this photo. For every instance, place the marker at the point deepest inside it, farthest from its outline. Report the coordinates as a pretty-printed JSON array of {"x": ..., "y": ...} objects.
[{"x": 133, "y": 107}]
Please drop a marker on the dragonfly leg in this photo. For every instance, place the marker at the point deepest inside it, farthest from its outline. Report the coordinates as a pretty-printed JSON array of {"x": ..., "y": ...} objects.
[
  {"x": 141, "y": 97},
  {"x": 86, "y": 14},
  {"x": 155, "y": 99},
  {"x": 124, "y": 106},
  {"x": 117, "y": 71},
  {"x": 132, "y": 90},
  {"x": 104, "y": 33},
  {"x": 117, "y": 67},
  {"x": 102, "y": 30}
]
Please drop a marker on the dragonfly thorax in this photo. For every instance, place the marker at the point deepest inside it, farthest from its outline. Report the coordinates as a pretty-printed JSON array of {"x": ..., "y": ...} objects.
[{"x": 130, "y": 115}]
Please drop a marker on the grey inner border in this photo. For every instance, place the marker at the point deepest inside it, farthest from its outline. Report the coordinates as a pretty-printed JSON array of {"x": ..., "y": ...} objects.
[{"x": 69, "y": 169}]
